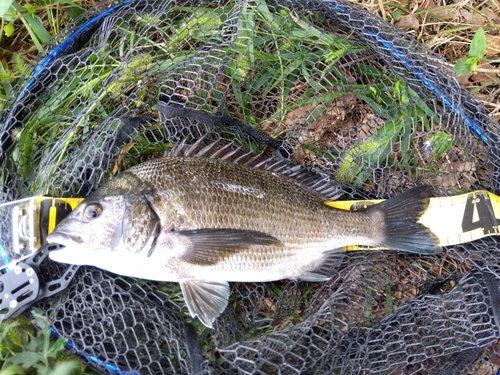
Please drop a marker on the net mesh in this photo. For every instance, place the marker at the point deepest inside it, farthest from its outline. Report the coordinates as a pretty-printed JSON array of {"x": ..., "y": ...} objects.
[{"x": 346, "y": 94}]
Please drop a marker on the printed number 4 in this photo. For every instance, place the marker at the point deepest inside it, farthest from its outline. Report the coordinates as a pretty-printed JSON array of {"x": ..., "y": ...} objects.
[{"x": 479, "y": 214}]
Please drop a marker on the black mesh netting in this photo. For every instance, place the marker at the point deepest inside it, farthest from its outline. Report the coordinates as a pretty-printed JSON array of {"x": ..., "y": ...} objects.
[{"x": 338, "y": 90}]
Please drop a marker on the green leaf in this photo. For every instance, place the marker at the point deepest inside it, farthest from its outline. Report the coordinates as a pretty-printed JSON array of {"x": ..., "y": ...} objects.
[
  {"x": 7, "y": 328},
  {"x": 478, "y": 45},
  {"x": 12, "y": 370},
  {"x": 441, "y": 142},
  {"x": 368, "y": 71},
  {"x": 462, "y": 66},
  {"x": 74, "y": 12},
  {"x": 57, "y": 347},
  {"x": 35, "y": 25},
  {"x": 19, "y": 63},
  {"x": 4, "y": 6},
  {"x": 473, "y": 65},
  {"x": 37, "y": 343},
  {"x": 30, "y": 8},
  {"x": 26, "y": 359},
  {"x": 41, "y": 369},
  {"x": 64, "y": 368},
  {"x": 8, "y": 29}
]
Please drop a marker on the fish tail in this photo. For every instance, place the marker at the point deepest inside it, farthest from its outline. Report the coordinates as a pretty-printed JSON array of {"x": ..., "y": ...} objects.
[{"x": 402, "y": 229}]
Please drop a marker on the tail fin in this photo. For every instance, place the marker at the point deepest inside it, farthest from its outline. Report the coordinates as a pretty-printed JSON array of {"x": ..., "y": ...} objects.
[{"x": 401, "y": 216}]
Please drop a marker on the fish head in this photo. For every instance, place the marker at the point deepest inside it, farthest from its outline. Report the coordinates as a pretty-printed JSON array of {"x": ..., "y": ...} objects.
[
  {"x": 117, "y": 220},
  {"x": 89, "y": 230}
]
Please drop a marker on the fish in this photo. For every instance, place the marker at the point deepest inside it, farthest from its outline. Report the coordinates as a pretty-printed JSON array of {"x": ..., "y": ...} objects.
[{"x": 207, "y": 214}]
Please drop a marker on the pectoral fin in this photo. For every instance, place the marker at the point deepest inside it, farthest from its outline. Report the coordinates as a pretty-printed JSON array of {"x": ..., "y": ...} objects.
[
  {"x": 209, "y": 246},
  {"x": 205, "y": 299}
]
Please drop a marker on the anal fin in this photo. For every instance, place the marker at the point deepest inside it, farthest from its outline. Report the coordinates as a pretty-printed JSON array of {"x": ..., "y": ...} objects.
[
  {"x": 326, "y": 269},
  {"x": 205, "y": 299}
]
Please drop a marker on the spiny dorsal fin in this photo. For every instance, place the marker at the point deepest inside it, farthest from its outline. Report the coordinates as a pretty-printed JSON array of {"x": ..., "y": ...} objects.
[
  {"x": 318, "y": 183},
  {"x": 182, "y": 149}
]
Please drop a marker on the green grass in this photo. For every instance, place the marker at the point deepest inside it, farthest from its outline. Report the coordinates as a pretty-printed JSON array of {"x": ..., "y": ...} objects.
[
  {"x": 267, "y": 61},
  {"x": 404, "y": 114},
  {"x": 31, "y": 24},
  {"x": 274, "y": 54},
  {"x": 28, "y": 348}
]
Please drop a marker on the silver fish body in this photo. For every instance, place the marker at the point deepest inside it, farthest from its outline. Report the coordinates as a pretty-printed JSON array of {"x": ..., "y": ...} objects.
[{"x": 205, "y": 216}]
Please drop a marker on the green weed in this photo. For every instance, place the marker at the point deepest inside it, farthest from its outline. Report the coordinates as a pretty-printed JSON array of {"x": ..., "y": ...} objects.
[
  {"x": 27, "y": 347},
  {"x": 477, "y": 50}
]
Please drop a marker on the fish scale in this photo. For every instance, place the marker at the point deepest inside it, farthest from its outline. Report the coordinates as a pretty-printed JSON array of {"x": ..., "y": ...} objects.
[
  {"x": 285, "y": 212},
  {"x": 207, "y": 214}
]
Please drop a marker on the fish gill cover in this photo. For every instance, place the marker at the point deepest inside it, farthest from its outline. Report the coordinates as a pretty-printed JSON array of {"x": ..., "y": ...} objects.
[{"x": 337, "y": 90}]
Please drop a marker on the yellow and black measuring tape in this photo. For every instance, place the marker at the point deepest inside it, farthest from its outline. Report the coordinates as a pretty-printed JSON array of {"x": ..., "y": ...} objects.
[
  {"x": 454, "y": 220},
  {"x": 53, "y": 210},
  {"x": 32, "y": 219}
]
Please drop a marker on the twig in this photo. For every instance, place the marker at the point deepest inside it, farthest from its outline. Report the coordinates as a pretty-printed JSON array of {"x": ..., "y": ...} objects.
[{"x": 483, "y": 70}]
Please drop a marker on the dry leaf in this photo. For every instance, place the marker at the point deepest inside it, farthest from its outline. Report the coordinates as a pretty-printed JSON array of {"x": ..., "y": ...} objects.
[
  {"x": 492, "y": 45},
  {"x": 427, "y": 4},
  {"x": 473, "y": 17},
  {"x": 464, "y": 79},
  {"x": 485, "y": 78},
  {"x": 446, "y": 14},
  {"x": 408, "y": 22},
  {"x": 493, "y": 353},
  {"x": 491, "y": 15}
]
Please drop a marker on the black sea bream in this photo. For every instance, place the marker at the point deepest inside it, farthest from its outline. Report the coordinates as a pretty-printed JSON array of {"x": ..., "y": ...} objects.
[{"x": 207, "y": 215}]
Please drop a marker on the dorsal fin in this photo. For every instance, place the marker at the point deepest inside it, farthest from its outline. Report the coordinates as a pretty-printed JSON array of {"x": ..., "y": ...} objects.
[
  {"x": 186, "y": 149},
  {"x": 318, "y": 183}
]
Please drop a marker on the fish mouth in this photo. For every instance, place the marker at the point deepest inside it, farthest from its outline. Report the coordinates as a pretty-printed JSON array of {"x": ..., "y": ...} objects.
[{"x": 64, "y": 239}]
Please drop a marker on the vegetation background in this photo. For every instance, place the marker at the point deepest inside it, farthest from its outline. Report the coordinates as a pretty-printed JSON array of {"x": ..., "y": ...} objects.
[
  {"x": 465, "y": 32},
  {"x": 446, "y": 26}
]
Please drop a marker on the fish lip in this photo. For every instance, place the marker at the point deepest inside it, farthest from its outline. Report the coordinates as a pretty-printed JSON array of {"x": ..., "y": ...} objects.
[{"x": 62, "y": 238}]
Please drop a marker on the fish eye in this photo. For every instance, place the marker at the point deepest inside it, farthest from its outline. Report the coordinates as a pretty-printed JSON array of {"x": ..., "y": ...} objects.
[{"x": 93, "y": 211}]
